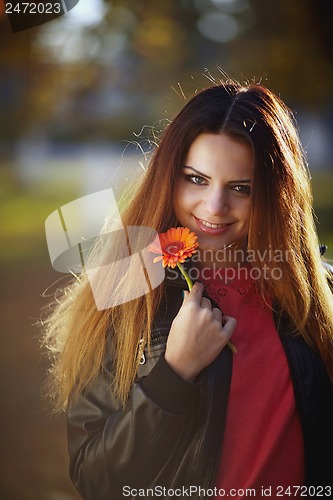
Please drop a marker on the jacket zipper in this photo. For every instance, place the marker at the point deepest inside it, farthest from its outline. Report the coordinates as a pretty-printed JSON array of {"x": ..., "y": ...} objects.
[
  {"x": 142, "y": 357},
  {"x": 142, "y": 343}
]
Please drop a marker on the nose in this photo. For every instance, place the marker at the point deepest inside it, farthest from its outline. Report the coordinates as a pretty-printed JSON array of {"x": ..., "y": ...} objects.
[{"x": 217, "y": 201}]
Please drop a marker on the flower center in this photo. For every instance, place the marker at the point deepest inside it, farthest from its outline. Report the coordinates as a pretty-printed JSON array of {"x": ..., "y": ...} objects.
[{"x": 174, "y": 247}]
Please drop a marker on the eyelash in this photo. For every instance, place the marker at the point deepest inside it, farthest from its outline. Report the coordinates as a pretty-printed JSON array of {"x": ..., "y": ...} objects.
[
  {"x": 239, "y": 188},
  {"x": 245, "y": 188}
]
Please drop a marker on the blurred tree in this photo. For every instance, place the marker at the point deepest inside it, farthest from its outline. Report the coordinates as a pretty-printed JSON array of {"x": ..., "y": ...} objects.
[
  {"x": 17, "y": 62},
  {"x": 289, "y": 44},
  {"x": 105, "y": 78}
]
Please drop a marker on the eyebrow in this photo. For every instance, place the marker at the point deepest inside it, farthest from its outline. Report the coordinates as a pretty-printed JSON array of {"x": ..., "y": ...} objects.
[{"x": 207, "y": 176}]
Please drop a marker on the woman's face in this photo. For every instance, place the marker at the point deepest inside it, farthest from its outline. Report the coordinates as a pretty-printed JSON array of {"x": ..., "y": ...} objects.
[{"x": 213, "y": 191}]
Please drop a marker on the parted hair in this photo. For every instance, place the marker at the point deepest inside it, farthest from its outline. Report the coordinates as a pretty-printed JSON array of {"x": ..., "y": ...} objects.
[{"x": 77, "y": 335}]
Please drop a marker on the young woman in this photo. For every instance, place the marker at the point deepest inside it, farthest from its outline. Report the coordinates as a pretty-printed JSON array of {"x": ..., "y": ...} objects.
[{"x": 157, "y": 403}]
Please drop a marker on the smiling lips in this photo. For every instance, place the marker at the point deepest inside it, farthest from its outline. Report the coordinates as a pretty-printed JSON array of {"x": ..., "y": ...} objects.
[{"x": 211, "y": 228}]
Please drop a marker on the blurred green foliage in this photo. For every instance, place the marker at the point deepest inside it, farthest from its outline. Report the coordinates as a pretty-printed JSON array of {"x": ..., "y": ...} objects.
[{"x": 23, "y": 214}]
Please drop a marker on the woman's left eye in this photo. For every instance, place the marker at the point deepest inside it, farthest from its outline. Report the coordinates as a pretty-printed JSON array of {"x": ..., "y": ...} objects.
[{"x": 242, "y": 188}]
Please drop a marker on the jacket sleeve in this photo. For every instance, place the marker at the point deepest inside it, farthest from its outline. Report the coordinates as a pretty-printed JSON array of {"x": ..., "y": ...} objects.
[{"x": 111, "y": 447}]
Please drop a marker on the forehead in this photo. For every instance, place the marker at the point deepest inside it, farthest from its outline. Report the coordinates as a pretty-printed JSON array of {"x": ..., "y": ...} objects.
[{"x": 216, "y": 153}]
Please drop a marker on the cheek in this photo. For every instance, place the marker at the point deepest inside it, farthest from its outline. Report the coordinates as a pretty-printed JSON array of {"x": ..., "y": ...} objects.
[{"x": 183, "y": 200}]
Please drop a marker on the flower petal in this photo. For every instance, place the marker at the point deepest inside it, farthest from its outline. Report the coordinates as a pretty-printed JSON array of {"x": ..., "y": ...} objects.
[{"x": 177, "y": 244}]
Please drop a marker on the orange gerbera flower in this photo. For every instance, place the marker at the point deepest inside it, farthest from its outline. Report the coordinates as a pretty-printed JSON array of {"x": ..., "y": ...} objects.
[{"x": 177, "y": 244}]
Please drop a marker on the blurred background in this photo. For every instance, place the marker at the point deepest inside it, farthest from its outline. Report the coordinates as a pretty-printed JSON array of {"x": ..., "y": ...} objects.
[{"x": 82, "y": 98}]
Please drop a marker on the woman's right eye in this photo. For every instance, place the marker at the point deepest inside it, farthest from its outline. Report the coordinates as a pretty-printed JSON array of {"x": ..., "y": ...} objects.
[{"x": 195, "y": 179}]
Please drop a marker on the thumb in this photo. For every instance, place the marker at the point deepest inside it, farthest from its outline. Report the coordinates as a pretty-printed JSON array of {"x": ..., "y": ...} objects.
[{"x": 229, "y": 324}]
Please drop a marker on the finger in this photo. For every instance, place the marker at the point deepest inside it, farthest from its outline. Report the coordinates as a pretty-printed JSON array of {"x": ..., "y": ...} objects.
[
  {"x": 195, "y": 294},
  {"x": 228, "y": 325},
  {"x": 206, "y": 303},
  {"x": 217, "y": 313},
  {"x": 225, "y": 319}
]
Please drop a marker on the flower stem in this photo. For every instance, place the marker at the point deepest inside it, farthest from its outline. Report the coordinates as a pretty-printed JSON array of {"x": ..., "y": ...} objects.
[
  {"x": 186, "y": 276},
  {"x": 190, "y": 285},
  {"x": 232, "y": 347}
]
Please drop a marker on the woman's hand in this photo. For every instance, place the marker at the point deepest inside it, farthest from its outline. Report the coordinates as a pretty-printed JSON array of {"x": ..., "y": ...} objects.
[{"x": 197, "y": 335}]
